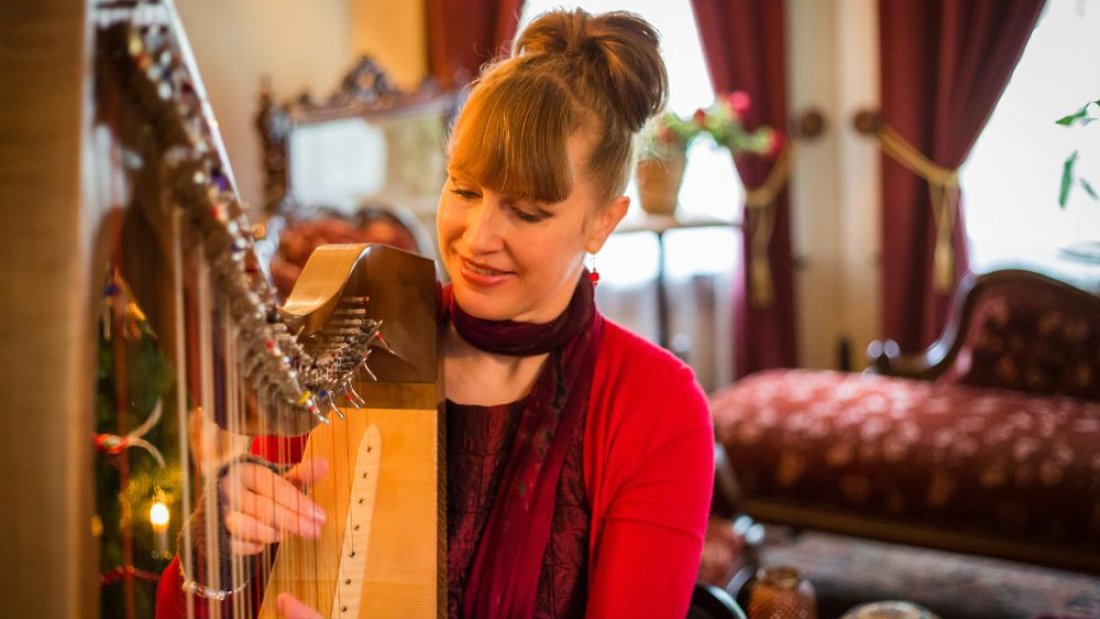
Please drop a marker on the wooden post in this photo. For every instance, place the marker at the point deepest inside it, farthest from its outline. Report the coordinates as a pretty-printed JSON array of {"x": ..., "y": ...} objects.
[{"x": 48, "y": 232}]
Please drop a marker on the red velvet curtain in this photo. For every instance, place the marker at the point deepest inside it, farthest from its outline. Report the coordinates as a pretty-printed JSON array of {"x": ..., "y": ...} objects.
[
  {"x": 744, "y": 41},
  {"x": 464, "y": 34},
  {"x": 945, "y": 64}
]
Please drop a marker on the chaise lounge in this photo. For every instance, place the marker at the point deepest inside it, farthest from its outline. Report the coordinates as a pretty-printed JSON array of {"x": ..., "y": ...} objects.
[{"x": 986, "y": 443}]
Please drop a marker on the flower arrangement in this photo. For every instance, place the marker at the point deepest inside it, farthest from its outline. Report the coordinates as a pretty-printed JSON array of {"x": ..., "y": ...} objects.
[{"x": 668, "y": 135}]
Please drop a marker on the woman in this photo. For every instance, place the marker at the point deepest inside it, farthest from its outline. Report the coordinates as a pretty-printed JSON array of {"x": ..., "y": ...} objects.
[{"x": 580, "y": 457}]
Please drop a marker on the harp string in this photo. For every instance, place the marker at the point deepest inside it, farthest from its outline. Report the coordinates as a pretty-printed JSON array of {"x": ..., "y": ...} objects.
[
  {"x": 267, "y": 558},
  {"x": 209, "y": 492},
  {"x": 314, "y": 559},
  {"x": 346, "y": 483},
  {"x": 349, "y": 454},
  {"x": 176, "y": 261},
  {"x": 235, "y": 425},
  {"x": 247, "y": 399},
  {"x": 227, "y": 402}
]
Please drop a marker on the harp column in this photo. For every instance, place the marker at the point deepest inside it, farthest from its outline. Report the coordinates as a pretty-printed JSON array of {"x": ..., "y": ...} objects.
[{"x": 48, "y": 231}]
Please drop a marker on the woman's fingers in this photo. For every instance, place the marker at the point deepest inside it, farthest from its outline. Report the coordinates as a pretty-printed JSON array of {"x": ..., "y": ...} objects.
[
  {"x": 240, "y": 548},
  {"x": 295, "y": 519},
  {"x": 248, "y": 530},
  {"x": 274, "y": 501},
  {"x": 287, "y": 490},
  {"x": 291, "y": 608}
]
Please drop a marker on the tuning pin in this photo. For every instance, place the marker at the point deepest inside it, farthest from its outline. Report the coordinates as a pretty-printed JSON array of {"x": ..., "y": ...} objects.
[
  {"x": 347, "y": 397},
  {"x": 366, "y": 369},
  {"x": 381, "y": 342},
  {"x": 354, "y": 394},
  {"x": 332, "y": 406},
  {"x": 322, "y": 418}
]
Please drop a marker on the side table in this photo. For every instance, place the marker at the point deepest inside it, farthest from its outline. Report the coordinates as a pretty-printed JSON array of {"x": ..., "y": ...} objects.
[{"x": 658, "y": 225}]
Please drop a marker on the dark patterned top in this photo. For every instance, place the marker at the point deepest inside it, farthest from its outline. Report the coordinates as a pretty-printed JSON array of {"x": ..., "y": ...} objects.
[{"x": 479, "y": 439}]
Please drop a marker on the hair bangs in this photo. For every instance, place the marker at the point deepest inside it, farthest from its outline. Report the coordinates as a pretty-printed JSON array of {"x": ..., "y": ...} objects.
[{"x": 511, "y": 138}]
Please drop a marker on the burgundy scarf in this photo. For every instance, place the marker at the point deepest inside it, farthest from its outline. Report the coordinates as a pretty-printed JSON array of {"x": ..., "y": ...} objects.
[{"x": 504, "y": 577}]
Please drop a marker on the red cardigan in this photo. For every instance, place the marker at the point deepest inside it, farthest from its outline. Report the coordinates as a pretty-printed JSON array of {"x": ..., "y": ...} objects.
[{"x": 648, "y": 471}]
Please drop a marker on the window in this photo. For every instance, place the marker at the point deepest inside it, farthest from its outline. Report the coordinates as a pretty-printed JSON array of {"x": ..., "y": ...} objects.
[{"x": 1012, "y": 176}]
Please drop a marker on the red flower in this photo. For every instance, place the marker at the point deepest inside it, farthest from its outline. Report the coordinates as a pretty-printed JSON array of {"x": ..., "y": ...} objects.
[
  {"x": 700, "y": 118},
  {"x": 739, "y": 102},
  {"x": 775, "y": 146}
]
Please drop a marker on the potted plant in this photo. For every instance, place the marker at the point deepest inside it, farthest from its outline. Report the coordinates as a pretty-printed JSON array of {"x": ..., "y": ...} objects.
[{"x": 665, "y": 140}]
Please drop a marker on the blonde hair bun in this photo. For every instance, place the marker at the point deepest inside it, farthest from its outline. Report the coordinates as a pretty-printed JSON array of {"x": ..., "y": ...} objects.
[
  {"x": 569, "y": 72},
  {"x": 613, "y": 60}
]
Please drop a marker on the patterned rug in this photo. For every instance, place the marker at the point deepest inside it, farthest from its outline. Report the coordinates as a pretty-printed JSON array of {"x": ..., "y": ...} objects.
[{"x": 846, "y": 571}]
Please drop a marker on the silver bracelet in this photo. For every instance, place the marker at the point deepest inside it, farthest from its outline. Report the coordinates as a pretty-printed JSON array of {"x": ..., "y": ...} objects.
[{"x": 194, "y": 588}]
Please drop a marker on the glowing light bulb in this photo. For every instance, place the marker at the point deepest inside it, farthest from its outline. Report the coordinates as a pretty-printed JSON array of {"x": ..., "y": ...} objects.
[{"x": 158, "y": 515}]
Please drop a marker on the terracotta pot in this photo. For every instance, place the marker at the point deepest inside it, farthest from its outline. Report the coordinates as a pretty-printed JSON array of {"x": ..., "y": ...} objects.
[{"x": 659, "y": 184}]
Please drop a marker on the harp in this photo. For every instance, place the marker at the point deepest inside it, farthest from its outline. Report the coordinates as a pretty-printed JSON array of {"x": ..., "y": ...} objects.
[{"x": 350, "y": 358}]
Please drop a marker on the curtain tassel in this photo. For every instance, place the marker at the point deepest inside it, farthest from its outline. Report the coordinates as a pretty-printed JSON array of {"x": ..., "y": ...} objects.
[
  {"x": 945, "y": 204},
  {"x": 760, "y": 221},
  {"x": 943, "y": 186}
]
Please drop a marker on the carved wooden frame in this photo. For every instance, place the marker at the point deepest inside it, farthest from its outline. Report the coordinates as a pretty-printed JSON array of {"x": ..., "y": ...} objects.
[{"x": 366, "y": 91}]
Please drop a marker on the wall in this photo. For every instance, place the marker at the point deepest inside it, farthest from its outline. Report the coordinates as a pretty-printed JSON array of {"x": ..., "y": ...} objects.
[
  {"x": 394, "y": 33},
  {"x": 299, "y": 46}
]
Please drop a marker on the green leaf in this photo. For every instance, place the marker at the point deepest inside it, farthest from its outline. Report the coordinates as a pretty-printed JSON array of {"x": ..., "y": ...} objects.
[
  {"x": 1067, "y": 179},
  {"x": 1081, "y": 115},
  {"x": 1089, "y": 189},
  {"x": 1066, "y": 121}
]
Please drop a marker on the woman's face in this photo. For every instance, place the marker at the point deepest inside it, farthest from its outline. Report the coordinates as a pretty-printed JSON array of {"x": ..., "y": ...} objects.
[{"x": 516, "y": 259}]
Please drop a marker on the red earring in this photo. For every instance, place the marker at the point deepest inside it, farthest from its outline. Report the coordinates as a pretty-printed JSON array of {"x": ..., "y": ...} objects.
[{"x": 593, "y": 274}]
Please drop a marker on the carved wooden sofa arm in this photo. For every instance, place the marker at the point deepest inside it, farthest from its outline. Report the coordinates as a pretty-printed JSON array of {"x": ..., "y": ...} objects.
[{"x": 1036, "y": 309}]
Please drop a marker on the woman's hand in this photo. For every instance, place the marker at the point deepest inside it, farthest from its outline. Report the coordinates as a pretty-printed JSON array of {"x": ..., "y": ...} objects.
[
  {"x": 722, "y": 552},
  {"x": 262, "y": 505},
  {"x": 290, "y": 607}
]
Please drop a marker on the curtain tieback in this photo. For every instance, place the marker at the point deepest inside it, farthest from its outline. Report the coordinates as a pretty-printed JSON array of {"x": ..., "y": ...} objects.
[
  {"x": 943, "y": 186},
  {"x": 760, "y": 221}
]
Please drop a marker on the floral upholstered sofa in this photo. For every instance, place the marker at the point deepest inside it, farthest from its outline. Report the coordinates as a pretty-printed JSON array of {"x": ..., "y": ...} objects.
[{"x": 987, "y": 443}]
